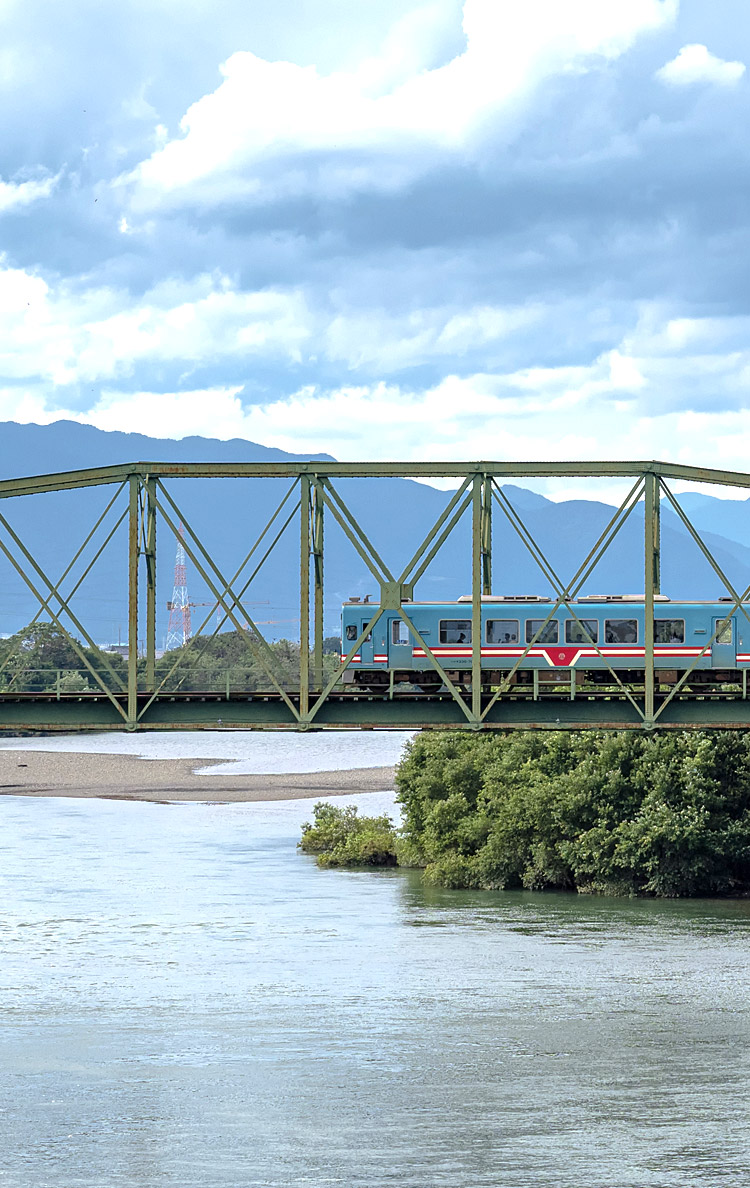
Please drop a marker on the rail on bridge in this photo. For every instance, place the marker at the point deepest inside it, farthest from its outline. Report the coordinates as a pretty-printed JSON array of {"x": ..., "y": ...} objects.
[{"x": 146, "y": 691}]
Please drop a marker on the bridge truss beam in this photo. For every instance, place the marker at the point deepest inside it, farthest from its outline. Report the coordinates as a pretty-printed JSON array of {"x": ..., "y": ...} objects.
[{"x": 143, "y": 702}]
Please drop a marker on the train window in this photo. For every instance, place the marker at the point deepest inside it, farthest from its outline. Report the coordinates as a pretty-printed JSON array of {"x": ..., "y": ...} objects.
[
  {"x": 399, "y": 632},
  {"x": 351, "y": 631},
  {"x": 669, "y": 631},
  {"x": 368, "y": 637},
  {"x": 724, "y": 632},
  {"x": 502, "y": 631},
  {"x": 585, "y": 631},
  {"x": 550, "y": 634},
  {"x": 455, "y": 631},
  {"x": 619, "y": 631}
]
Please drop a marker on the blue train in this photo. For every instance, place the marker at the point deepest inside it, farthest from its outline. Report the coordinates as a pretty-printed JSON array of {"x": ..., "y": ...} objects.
[{"x": 607, "y": 633}]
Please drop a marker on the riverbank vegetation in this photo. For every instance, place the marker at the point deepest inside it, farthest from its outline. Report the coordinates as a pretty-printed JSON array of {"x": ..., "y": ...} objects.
[
  {"x": 42, "y": 658},
  {"x": 340, "y": 837},
  {"x": 618, "y": 813}
]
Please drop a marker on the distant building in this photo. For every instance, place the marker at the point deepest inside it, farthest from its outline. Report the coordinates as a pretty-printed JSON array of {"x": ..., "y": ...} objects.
[
  {"x": 117, "y": 649},
  {"x": 122, "y": 650}
]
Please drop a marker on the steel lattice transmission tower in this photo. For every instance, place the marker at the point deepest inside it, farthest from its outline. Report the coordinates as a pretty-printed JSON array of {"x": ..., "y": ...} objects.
[{"x": 179, "y": 628}]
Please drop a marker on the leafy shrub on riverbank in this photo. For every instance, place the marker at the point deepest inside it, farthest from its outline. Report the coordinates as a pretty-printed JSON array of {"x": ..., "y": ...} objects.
[
  {"x": 340, "y": 837},
  {"x": 621, "y": 813}
]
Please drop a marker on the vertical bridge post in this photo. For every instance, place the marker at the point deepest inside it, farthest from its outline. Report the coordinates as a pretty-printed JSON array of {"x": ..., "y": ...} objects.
[
  {"x": 652, "y": 560},
  {"x": 487, "y": 535},
  {"x": 477, "y": 525},
  {"x": 304, "y": 597},
  {"x": 133, "y": 526},
  {"x": 317, "y": 550},
  {"x": 150, "y": 584}
]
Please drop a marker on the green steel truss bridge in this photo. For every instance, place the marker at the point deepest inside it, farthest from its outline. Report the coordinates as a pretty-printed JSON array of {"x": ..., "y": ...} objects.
[{"x": 135, "y": 697}]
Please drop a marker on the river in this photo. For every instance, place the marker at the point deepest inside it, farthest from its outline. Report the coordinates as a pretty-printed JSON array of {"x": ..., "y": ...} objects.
[{"x": 188, "y": 1001}]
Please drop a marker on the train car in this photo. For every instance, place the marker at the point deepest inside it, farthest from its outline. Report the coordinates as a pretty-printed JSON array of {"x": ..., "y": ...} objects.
[{"x": 606, "y": 632}]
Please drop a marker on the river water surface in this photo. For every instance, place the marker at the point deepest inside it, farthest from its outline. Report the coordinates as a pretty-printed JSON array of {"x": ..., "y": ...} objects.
[{"x": 187, "y": 1000}]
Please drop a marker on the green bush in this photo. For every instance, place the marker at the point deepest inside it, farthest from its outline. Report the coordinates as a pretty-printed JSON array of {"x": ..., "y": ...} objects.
[
  {"x": 625, "y": 813},
  {"x": 340, "y": 837}
]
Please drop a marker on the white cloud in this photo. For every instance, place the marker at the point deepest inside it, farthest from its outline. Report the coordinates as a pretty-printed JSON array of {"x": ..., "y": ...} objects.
[
  {"x": 620, "y": 405},
  {"x": 62, "y": 336},
  {"x": 695, "y": 64},
  {"x": 266, "y": 112},
  {"x": 162, "y": 412},
  {"x": 388, "y": 341},
  {"x": 57, "y": 334},
  {"x": 15, "y": 194},
  {"x": 551, "y": 415}
]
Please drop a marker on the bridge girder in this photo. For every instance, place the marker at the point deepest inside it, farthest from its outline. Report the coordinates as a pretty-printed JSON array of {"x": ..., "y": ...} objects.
[{"x": 142, "y": 702}]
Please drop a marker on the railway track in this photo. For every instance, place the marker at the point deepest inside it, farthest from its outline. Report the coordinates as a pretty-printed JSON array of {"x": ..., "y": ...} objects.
[{"x": 350, "y": 709}]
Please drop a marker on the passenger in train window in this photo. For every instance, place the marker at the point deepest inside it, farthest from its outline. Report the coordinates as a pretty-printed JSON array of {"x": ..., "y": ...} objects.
[
  {"x": 620, "y": 631},
  {"x": 550, "y": 633},
  {"x": 669, "y": 631},
  {"x": 455, "y": 631},
  {"x": 585, "y": 631},
  {"x": 503, "y": 631}
]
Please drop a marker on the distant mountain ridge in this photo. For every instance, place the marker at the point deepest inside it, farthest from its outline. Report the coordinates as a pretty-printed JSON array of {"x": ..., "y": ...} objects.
[
  {"x": 396, "y": 513},
  {"x": 69, "y": 445}
]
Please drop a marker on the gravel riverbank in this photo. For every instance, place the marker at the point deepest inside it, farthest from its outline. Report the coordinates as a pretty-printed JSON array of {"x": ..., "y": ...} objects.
[{"x": 127, "y": 777}]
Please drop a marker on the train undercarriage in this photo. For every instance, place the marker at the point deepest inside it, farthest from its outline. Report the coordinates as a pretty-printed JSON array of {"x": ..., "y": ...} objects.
[{"x": 536, "y": 682}]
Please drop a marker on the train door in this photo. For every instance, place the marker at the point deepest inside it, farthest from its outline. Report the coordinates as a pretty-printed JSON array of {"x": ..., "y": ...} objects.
[
  {"x": 399, "y": 644},
  {"x": 723, "y": 650},
  {"x": 367, "y": 651}
]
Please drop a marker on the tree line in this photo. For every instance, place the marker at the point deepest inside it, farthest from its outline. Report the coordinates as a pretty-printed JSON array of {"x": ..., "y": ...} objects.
[{"x": 42, "y": 658}]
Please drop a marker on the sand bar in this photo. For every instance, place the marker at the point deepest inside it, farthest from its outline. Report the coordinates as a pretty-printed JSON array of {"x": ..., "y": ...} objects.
[{"x": 127, "y": 777}]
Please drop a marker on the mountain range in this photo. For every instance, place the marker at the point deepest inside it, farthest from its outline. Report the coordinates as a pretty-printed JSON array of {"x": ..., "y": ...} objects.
[{"x": 228, "y": 515}]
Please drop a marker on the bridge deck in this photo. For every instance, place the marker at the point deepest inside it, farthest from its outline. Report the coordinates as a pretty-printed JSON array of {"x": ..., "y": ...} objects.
[{"x": 22, "y": 712}]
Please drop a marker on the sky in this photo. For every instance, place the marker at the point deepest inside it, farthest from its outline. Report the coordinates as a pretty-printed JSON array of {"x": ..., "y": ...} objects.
[{"x": 412, "y": 229}]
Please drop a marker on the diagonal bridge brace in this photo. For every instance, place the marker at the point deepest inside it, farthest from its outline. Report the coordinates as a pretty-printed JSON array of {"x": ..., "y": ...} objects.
[
  {"x": 392, "y": 591},
  {"x": 181, "y": 658},
  {"x": 705, "y": 550},
  {"x": 739, "y": 599},
  {"x": 447, "y": 521},
  {"x": 566, "y": 593},
  {"x": 255, "y": 639},
  {"x": 14, "y": 651},
  {"x": 355, "y": 533},
  {"x": 45, "y": 604},
  {"x": 709, "y": 644},
  {"x": 307, "y": 719}
]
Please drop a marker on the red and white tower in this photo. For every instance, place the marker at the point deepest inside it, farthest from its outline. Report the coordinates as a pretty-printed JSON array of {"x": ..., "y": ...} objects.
[{"x": 179, "y": 628}]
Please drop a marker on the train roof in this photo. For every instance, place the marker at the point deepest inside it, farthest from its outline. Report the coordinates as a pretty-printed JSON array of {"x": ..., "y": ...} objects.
[{"x": 538, "y": 599}]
